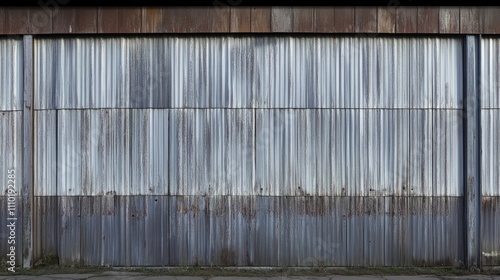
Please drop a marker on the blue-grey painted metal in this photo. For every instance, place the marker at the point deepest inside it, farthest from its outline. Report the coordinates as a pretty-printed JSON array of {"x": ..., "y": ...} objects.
[
  {"x": 250, "y": 150},
  {"x": 490, "y": 153},
  {"x": 248, "y": 72},
  {"x": 472, "y": 152},
  {"x": 27, "y": 183},
  {"x": 11, "y": 144},
  {"x": 11, "y": 74}
]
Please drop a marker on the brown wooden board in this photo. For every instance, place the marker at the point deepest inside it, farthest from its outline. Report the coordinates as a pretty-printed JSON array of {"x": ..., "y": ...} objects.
[
  {"x": 174, "y": 20},
  {"x": 490, "y": 20},
  {"x": 14, "y": 20},
  {"x": 260, "y": 19},
  {"x": 151, "y": 20},
  {"x": 344, "y": 19},
  {"x": 449, "y": 20},
  {"x": 63, "y": 21},
  {"x": 198, "y": 19},
  {"x": 219, "y": 16},
  {"x": 108, "y": 20},
  {"x": 406, "y": 20},
  {"x": 469, "y": 20},
  {"x": 281, "y": 19},
  {"x": 428, "y": 19},
  {"x": 324, "y": 19},
  {"x": 386, "y": 21},
  {"x": 365, "y": 19},
  {"x": 86, "y": 20},
  {"x": 40, "y": 19},
  {"x": 240, "y": 19},
  {"x": 130, "y": 20},
  {"x": 303, "y": 19}
]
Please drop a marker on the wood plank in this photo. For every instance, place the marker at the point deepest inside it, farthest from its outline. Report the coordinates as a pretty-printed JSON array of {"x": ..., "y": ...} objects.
[
  {"x": 490, "y": 20},
  {"x": 2, "y": 20},
  {"x": 86, "y": 20},
  {"x": 27, "y": 171},
  {"x": 260, "y": 19},
  {"x": 108, "y": 20},
  {"x": 365, "y": 19},
  {"x": 324, "y": 20},
  {"x": 15, "y": 20},
  {"x": 281, "y": 19},
  {"x": 219, "y": 19},
  {"x": 197, "y": 19},
  {"x": 40, "y": 19},
  {"x": 174, "y": 20},
  {"x": 469, "y": 20},
  {"x": 406, "y": 20},
  {"x": 151, "y": 20},
  {"x": 344, "y": 19},
  {"x": 386, "y": 21},
  {"x": 240, "y": 19},
  {"x": 64, "y": 20},
  {"x": 449, "y": 20},
  {"x": 428, "y": 20},
  {"x": 303, "y": 19},
  {"x": 130, "y": 20}
]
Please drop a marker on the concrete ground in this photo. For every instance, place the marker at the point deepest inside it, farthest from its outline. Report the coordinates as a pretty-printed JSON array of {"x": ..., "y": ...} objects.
[{"x": 140, "y": 276}]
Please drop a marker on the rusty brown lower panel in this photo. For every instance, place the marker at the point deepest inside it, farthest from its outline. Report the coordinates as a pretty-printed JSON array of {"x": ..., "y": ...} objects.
[
  {"x": 5, "y": 230},
  {"x": 249, "y": 230},
  {"x": 490, "y": 230}
]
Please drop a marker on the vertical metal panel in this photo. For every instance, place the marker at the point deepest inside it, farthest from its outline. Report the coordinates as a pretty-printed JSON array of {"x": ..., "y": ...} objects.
[
  {"x": 11, "y": 147},
  {"x": 293, "y": 159},
  {"x": 490, "y": 67},
  {"x": 490, "y": 231},
  {"x": 189, "y": 231},
  {"x": 27, "y": 139},
  {"x": 447, "y": 153},
  {"x": 211, "y": 152},
  {"x": 472, "y": 151},
  {"x": 490, "y": 152},
  {"x": 102, "y": 152},
  {"x": 45, "y": 228},
  {"x": 420, "y": 153},
  {"x": 5, "y": 231},
  {"x": 11, "y": 74},
  {"x": 45, "y": 153},
  {"x": 249, "y": 72}
]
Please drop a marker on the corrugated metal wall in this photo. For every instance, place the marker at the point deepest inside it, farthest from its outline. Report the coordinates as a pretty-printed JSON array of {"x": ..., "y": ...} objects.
[
  {"x": 490, "y": 152},
  {"x": 11, "y": 96},
  {"x": 249, "y": 150}
]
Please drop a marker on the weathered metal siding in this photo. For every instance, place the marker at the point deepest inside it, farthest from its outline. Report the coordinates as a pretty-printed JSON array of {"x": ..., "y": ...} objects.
[
  {"x": 11, "y": 96},
  {"x": 248, "y": 72},
  {"x": 490, "y": 152},
  {"x": 249, "y": 150},
  {"x": 11, "y": 74}
]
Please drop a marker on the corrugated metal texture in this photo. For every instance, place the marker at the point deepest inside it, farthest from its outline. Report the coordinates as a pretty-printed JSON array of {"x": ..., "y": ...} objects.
[
  {"x": 490, "y": 230},
  {"x": 212, "y": 152},
  {"x": 257, "y": 231},
  {"x": 11, "y": 150},
  {"x": 45, "y": 152},
  {"x": 248, "y": 72},
  {"x": 490, "y": 67},
  {"x": 490, "y": 152},
  {"x": 245, "y": 152},
  {"x": 11, "y": 74},
  {"x": 122, "y": 152},
  {"x": 305, "y": 152},
  {"x": 45, "y": 227}
]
